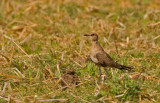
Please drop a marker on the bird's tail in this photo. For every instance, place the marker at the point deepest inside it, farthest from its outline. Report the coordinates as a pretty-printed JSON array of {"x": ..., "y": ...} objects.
[{"x": 125, "y": 68}]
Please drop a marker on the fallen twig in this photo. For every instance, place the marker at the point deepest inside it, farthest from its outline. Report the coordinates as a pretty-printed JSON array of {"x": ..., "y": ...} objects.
[
  {"x": 50, "y": 100},
  {"x": 17, "y": 45}
]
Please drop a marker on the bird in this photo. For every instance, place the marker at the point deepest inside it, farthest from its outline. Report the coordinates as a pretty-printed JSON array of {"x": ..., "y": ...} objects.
[{"x": 100, "y": 57}]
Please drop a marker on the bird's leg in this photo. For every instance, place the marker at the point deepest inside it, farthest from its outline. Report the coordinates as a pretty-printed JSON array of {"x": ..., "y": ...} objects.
[
  {"x": 100, "y": 71},
  {"x": 106, "y": 72}
]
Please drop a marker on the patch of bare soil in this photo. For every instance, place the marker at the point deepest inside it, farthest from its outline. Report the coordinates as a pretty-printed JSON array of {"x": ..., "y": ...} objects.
[{"x": 70, "y": 78}]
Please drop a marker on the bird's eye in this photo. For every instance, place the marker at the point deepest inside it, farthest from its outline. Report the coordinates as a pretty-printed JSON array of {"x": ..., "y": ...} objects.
[{"x": 92, "y": 34}]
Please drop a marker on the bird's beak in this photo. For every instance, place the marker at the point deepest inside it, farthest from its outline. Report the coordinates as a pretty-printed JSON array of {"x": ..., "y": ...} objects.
[{"x": 86, "y": 35}]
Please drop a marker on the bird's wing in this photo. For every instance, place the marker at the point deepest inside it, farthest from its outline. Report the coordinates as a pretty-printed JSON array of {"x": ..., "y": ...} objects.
[{"x": 105, "y": 60}]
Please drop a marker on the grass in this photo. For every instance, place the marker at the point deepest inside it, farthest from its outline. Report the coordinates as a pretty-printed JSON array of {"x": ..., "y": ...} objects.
[{"x": 38, "y": 37}]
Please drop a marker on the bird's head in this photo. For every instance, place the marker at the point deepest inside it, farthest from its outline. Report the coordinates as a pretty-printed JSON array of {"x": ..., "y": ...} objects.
[{"x": 93, "y": 36}]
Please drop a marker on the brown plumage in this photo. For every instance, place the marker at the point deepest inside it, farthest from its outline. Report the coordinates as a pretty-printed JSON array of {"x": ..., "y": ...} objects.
[{"x": 100, "y": 57}]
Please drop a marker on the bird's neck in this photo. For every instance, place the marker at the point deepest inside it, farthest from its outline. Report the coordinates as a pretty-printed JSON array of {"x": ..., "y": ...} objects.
[{"x": 96, "y": 45}]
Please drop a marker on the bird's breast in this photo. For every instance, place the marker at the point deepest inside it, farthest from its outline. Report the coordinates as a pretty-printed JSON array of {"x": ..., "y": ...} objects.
[
  {"x": 94, "y": 59},
  {"x": 93, "y": 51}
]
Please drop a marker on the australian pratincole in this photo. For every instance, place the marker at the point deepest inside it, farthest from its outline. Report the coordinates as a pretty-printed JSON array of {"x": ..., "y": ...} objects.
[{"x": 100, "y": 57}]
